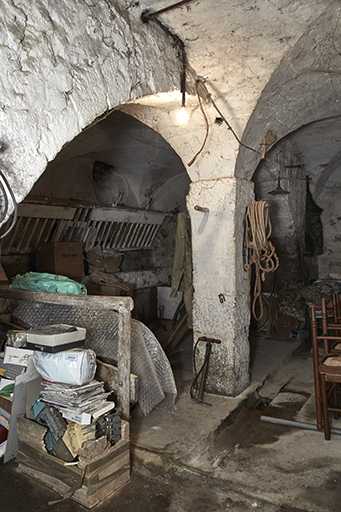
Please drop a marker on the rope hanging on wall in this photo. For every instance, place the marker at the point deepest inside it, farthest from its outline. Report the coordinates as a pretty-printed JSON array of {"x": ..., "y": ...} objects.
[{"x": 259, "y": 250}]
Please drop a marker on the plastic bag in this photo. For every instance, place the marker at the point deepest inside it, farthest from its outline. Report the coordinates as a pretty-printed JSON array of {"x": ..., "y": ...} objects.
[
  {"x": 76, "y": 366},
  {"x": 44, "y": 282}
]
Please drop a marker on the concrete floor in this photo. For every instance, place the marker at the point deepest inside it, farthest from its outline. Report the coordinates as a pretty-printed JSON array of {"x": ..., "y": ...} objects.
[{"x": 198, "y": 457}]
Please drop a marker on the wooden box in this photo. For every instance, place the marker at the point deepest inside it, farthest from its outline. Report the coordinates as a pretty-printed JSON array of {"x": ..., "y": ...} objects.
[
  {"x": 104, "y": 473},
  {"x": 61, "y": 258}
]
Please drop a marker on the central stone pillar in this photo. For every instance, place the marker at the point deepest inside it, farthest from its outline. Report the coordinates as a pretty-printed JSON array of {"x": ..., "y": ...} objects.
[{"x": 217, "y": 210}]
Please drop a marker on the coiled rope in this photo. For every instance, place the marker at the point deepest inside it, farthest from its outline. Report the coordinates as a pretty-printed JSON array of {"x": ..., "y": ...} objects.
[{"x": 259, "y": 250}]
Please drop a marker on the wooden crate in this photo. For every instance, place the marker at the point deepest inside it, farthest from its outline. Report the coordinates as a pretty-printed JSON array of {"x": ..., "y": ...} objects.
[{"x": 104, "y": 474}]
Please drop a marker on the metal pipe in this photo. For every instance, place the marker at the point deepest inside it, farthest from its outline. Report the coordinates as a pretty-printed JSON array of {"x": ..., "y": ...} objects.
[
  {"x": 297, "y": 424},
  {"x": 146, "y": 15}
]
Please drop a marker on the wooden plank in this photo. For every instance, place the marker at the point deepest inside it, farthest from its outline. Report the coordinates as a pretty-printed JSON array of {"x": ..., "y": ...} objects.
[
  {"x": 112, "y": 464},
  {"x": 136, "y": 234},
  {"x": 124, "y": 358},
  {"x": 6, "y": 404},
  {"x": 121, "y": 215},
  {"x": 31, "y": 432},
  {"x": 120, "y": 229},
  {"x": 152, "y": 236},
  {"x": 80, "y": 496},
  {"x": 29, "y": 239},
  {"x": 23, "y": 233},
  {"x": 45, "y": 212},
  {"x": 176, "y": 336},
  {"x": 88, "y": 301},
  {"x": 113, "y": 472},
  {"x": 41, "y": 231},
  {"x": 108, "y": 373},
  {"x": 118, "y": 452},
  {"x": 74, "y": 224}
]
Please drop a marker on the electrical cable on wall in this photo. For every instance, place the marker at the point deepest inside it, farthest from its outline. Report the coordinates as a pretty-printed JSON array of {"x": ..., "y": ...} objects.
[
  {"x": 147, "y": 16},
  {"x": 206, "y": 123},
  {"x": 259, "y": 250},
  {"x": 208, "y": 95}
]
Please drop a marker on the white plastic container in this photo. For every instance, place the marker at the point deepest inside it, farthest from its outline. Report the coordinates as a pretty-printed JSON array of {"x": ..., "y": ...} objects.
[{"x": 55, "y": 335}]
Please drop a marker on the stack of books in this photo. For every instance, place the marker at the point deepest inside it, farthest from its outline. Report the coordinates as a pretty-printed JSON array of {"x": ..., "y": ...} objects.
[{"x": 80, "y": 404}]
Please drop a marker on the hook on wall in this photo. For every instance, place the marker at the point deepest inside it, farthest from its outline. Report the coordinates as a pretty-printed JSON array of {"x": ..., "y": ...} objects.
[{"x": 201, "y": 208}]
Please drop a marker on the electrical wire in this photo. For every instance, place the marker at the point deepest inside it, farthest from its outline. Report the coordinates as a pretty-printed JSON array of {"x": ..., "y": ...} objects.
[
  {"x": 152, "y": 16},
  {"x": 147, "y": 15},
  {"x": 209, "y": 97},
  {"x": 206, "y": 122},
  {"x": 5, "y": 203},
  {"x": 6, "y": 193}
]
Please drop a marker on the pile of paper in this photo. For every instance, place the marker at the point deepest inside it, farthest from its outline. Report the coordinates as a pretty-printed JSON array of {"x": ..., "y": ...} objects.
[{"x": 80, "y": 404}]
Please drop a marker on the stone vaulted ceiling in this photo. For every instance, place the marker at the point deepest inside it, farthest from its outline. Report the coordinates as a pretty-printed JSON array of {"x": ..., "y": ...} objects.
[{"x": 234, "y": 47}]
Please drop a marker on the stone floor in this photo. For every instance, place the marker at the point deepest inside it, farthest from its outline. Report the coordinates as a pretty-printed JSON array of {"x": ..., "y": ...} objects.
[{"x": 199, "y": 457}]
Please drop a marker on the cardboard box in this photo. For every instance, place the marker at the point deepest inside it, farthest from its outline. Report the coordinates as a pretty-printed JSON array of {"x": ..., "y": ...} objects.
[
  {"x": 3, "y": 276},
  {"x": 6, "y": 404},
  {"x": 115, "y": 291},
  {"x": 61, "y": 258},
  {"x": 17, "y": 356}
]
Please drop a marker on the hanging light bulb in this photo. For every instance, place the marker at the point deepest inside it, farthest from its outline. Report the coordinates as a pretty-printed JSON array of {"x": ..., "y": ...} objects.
[{"x": 182, "y": 115}]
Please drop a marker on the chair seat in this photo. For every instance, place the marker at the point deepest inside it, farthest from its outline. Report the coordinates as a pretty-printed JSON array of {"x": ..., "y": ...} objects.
[{"x": 333, "y": 361}]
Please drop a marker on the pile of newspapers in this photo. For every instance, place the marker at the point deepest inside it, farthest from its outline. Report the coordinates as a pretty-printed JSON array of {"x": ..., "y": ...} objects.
[{"x": 79, "y": 403}]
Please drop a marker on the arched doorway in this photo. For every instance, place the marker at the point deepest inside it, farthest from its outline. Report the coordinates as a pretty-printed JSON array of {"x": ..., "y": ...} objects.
[{"x": 125, "y": 172}]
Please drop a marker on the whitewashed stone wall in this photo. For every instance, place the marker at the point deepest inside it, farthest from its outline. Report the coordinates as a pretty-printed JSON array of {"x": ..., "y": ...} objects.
[
  {"x": 305, "y": 87},
  {"x": 220, "y": 299},
  {"x": 288, "y": 216},
  {"x": 63, "y": 65}
]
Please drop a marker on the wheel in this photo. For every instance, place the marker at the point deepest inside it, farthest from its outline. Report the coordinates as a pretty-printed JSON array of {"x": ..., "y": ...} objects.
[{"x": 179, "y": 313}]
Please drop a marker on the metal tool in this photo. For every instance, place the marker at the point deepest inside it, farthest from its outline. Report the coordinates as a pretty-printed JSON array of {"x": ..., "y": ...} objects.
[{"x": 204, "y": 369}]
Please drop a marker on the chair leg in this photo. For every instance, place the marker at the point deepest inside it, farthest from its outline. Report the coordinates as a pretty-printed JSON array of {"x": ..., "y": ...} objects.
[
  {"x": 325, "y": 407},
  {"x": 335, "y": 399},
  {"x": 318, "y": 403}
]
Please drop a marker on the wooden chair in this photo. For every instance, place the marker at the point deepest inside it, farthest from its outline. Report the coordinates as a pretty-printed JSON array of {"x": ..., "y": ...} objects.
[
  {"x": 330, "y": 371},
  {"x": 325, "y": 337},
  {"x": 334, "y": 327}
]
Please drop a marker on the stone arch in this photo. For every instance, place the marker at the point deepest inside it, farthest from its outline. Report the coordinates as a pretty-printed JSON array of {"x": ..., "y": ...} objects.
[
  {"x": 121, "y": 162},
  {"x": 306, "y": 87},
  {"x": 66, "y": 67}
]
